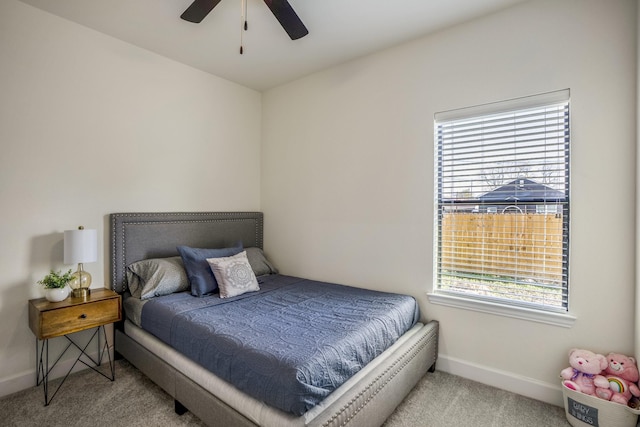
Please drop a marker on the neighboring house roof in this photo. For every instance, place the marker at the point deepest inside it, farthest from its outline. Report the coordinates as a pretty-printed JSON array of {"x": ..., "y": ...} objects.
[{"x": 522, "y": 190}]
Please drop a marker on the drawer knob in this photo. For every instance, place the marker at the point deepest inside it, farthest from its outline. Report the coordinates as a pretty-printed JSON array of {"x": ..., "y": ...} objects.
[{"x": 83, "y": 316}]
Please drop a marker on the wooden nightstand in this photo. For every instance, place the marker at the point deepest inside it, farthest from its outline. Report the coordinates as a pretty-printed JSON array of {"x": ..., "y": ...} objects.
[{"x": 54, "y": 319}]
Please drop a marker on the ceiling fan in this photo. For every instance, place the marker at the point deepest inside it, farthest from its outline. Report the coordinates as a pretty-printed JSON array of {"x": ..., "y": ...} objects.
[{"x": 281, "y": 9}]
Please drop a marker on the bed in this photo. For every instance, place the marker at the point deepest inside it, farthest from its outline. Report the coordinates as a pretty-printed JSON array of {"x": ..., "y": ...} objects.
[{"x": 365, "y": 397}]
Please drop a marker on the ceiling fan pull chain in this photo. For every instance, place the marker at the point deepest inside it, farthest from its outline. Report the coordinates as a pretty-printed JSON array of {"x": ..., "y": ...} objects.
[
  {"x": 245, "y": 9},
  {"x": 243, "y": 23}
]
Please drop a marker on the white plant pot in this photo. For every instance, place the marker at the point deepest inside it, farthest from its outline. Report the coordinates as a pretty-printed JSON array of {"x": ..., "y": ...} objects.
[{"x": 56, "y": 294}]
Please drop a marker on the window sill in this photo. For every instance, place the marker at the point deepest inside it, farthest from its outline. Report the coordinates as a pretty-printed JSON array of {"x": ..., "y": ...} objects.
[{"x": 557, "y": 319}]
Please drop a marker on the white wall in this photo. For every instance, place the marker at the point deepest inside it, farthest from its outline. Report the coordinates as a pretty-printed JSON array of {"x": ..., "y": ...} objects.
[
  {"x": 347, "y": 175},
  {"x": 637, "y": 296},
  {"x": 90, "y": 125}
]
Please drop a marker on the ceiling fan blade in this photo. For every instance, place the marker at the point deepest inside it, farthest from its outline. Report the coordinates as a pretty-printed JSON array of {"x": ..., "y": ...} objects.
[
  {"x": 198, "y": 10},
  {"x": 288, "y": 18}
]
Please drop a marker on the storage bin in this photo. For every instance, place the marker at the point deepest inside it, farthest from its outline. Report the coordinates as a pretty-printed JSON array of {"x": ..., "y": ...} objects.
[{"x": 583, "y": 410}]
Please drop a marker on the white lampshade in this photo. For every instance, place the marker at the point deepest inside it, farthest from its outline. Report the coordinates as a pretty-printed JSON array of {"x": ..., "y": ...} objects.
[{"x": 80, "y": 246}]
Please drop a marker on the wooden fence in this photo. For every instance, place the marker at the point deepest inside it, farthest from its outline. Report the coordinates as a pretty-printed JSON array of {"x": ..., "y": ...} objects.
[{"x": 526, "y": 246}]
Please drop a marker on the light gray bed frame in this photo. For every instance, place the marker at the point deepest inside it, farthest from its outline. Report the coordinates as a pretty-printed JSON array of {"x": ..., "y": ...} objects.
[{"x": 367, "y": 403}]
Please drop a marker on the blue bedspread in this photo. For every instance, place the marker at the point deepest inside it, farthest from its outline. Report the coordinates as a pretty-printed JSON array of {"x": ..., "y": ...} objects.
[{"x": 291, "y": 343}]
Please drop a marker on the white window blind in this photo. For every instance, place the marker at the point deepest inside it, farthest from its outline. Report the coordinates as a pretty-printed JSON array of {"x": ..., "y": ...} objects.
[{"x": 502, "y": 223}]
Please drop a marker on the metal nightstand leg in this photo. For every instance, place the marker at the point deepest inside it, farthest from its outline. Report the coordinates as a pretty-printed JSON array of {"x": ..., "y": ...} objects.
[{"x": 42, "y": 361}]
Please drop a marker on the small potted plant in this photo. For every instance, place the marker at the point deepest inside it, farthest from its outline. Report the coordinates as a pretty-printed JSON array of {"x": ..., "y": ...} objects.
[{"x": 56, "y": 285}]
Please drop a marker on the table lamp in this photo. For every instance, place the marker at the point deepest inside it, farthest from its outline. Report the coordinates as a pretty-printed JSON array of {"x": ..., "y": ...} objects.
[{"x": 80, "y": 246}]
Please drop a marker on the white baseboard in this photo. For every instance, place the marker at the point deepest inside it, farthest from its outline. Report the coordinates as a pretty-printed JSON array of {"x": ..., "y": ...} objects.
[
  {"x": 27, "y": 379},
  {"x": 529, "y": 387}
]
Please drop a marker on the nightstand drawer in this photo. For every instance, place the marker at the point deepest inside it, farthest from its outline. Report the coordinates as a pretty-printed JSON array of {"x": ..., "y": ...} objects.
[
  {"x": 78, "y": 317},
  {"x": 54, "y": 319}
]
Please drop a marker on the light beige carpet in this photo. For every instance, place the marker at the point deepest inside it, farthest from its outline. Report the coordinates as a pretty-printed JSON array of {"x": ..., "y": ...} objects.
[{"x": 439, "y": 400}]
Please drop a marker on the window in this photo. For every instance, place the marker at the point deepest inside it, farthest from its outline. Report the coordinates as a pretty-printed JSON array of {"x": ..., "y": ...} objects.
[{"x": 502, "y": 195}]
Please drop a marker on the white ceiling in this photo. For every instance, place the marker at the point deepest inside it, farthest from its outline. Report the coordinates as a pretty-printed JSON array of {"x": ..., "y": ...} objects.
[{"x": 339, "y": 30}]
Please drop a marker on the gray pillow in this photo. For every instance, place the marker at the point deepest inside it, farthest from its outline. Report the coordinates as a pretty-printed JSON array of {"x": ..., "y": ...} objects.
[
  {"x": 234, "y": 275},
  {"x": 156, "y": 277},
  {"x": 259, "y": 262}
]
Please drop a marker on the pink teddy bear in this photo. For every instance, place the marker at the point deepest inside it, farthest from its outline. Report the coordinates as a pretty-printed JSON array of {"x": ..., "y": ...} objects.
[
  {"x": 585, "y": 368},
  {"x": 621, "y": 376}
]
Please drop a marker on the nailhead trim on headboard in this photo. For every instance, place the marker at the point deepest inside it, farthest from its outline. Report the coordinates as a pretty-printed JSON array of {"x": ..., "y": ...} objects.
[{"x": 120, "y": 222}]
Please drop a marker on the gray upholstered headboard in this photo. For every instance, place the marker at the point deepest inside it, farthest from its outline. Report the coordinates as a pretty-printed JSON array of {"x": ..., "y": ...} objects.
[{"x": 138, "y": 236}]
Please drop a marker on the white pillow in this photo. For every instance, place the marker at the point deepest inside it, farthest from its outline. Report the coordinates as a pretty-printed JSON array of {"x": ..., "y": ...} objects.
[{"x": 234, "y": 275}]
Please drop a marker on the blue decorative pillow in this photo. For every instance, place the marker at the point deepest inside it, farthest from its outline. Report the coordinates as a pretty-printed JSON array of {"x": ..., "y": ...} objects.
[{"x": 198, "y": 271}]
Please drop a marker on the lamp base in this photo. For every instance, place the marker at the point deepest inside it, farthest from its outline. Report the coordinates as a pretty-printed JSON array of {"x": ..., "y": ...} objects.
[
  {"x": 80, "y": 283},
  {"x": 80, "y": 292}
]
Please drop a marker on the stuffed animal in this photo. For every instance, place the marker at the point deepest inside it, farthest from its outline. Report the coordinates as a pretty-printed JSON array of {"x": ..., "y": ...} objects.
[
  {"x": 620, "y": 378},
  {"x": 585, "y": 367}
]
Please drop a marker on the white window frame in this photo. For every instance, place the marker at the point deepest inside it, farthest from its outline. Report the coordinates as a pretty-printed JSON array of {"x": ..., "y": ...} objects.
[{"x": 517, "y": 309}]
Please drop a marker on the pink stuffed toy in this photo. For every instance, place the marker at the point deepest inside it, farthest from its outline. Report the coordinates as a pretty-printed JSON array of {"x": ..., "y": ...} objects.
[
  {"x": 621, "y": 376},
  {"x": 584, "y": 370}
]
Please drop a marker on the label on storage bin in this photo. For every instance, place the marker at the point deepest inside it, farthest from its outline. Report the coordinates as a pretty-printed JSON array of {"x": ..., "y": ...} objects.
[{"x": 582, "y": 412}]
